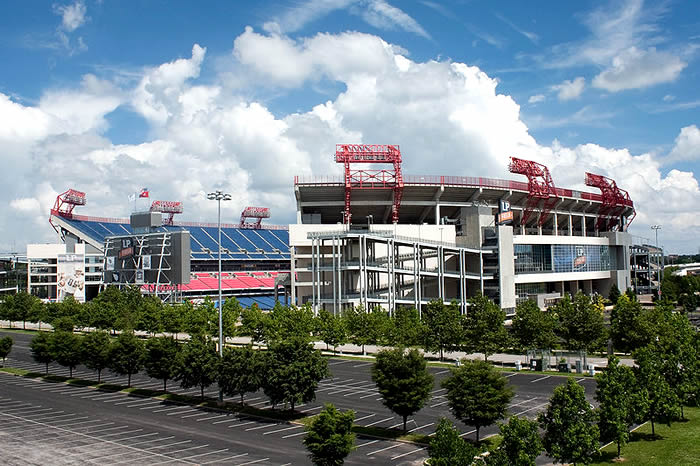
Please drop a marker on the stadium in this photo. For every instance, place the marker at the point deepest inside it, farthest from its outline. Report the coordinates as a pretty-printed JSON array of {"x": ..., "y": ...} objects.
[{"x": 373, "y": 237}]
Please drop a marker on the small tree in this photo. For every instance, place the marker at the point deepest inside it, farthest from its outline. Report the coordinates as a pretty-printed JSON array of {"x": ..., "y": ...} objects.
[
  {"x": 570, "y": 432},
  {"x": 40, "y": 347},
  {"x": 403, "y": 380},
  {"x": 532, "y": 327},
  {"x": 172, "y": 318},
  {"x": 255, "y": 324},
  {"x": 329, "y": 437},
  {"x": 126, "y": 355},
  {"x": 331, "y": 329},
  {"x": 240, "y": 371},
  {"x": 151, "y": 315},
  {"x": 25, "y": 307},
  {"x": 361, "y": 328},
  {"x": 661, "y": 399},
  {"x": 614, "y": 294},
  {"x": 65, "y": 349},
  {"x": 293, "y": 370},
  {"x": 477, "y": 394},
  {"x": 521, "y": 443},
  {"x": 95, "y": 350},
  {"x": 581, "y": 323},
  {"x": 442, "y": 331},
  {"x": 407, "y": 327},
  {"x": 198, "y": 364},
  {"x": 447, "y": 448},
  {"x": 5, "y": 348},
  {"x": 624, "y": 324},
  {"x": 615, "y": 394},
  {"x": 484, "y": 327},
  {"x": 290, "y": 322},
  {"x": 162, "y": 358}
]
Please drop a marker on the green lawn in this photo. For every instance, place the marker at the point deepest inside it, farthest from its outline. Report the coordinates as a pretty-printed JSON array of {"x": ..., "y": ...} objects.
[{"x": 676, "y": 445}]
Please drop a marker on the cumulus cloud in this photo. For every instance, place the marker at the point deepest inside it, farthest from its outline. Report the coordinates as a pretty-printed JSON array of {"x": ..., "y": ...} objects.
[
  {"x": 448, "y": 117},
  {"x": 687, "y": 145},
  {"x": 570, "y": 89},
  {"x": 639, "y": 69},
  {"x": 72, "y": 16},
  {"x": 534, "y": 99}
]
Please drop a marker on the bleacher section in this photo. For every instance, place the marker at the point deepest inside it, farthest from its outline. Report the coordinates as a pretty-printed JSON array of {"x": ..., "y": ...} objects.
[{"x": 237, "y": 244}]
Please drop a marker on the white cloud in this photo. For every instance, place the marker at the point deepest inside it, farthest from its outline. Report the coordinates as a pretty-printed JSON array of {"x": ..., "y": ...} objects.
[
  {"x": 382, "y": 15},
  {"x": 72, "y": 16},
  {"x": 639, "y": 69},
  {"x": 669, "y": 98},
  {"x": 531, "y": 36},
  {"x": 448, "y": 117},
  {"x": 537, "y": 98},
  {"x": 687, "y": 145},
  {"x": 570, "y": 89}
]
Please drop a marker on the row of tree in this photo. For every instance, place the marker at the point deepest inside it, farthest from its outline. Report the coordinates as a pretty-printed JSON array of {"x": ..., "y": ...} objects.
[{"x": 288, "y": 372}]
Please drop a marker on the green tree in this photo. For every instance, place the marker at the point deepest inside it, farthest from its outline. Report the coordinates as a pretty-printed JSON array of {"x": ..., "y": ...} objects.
[
  {"x": 290, "y": 322},
  {"x": 198, "y": 364},
  {"x": 381, "y": 325},
  {"x": 38, "y": 313},
  {"x": 484, "y": 327},
  {"x": 126, "y": 355},
  {"x": 173, "y": 318},
  {"x": 151, "y": 315},
  {"x": 477, "y": 394},
  {"x": 129, "y": 310},
  {"x": 614, "y": 294},
  {"x": 101, "y": 312},
  {"x": 229, "y": 317},
  {"x": 407, "y": 328},
  {"x": 662, "y": 402},
  {"x": 25, "y": 306},
  {"x": 581, "y": 323},
  {"x": 240, "y": 371},
  {"x": 447, "y": 448},
  {"x": 442, "y": 330},
  {"x": 624, "y": 324},
  {"x": 65, "y": 349},
  {"x": 197, "y": 319},
  {"x": 570, "y": 432},
  {"x": 293, "y": 369},
  {"x": 403, "y": 380},
  {"x": 162, "y": 358},
  {"x": 255, "y": 324},
  {"x": 615, "y": 393},
  {"x": 5, "y": 348},
  {"x": 521, "y": 443},
  {"x": 331, "y": 329},
  {"x": 40, "y": 346},
  {"x": 329, "y": 438},
  {"x": 95, "y": 352},
  {"x": 360, "y": 327},
  {"x": 532, "y": 327}
]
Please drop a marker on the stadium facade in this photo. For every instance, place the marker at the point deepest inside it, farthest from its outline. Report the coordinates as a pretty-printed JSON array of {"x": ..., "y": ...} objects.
[{"x": 375, "y": 237}]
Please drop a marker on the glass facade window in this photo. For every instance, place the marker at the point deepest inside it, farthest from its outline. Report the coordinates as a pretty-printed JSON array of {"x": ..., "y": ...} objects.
[
  {"x": 524, "y": 290},
  {"x": 562, "y": 258}
]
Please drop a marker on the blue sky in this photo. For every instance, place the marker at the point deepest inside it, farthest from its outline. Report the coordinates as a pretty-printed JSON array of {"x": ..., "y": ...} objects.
[{"x": 108, "y": 96}]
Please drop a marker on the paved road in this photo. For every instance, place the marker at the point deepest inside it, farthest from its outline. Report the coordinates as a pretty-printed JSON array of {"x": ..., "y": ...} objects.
[{"x": 350, "y": 387}]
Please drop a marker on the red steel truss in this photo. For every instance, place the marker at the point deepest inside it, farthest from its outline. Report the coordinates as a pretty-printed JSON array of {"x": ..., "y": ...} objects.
[
  {"x": 65, "y": 203},
  {"x": 257, "y": 213},
  {"x": 540, "y": 186},
  {"x": 615, "y": 201},
  {"x": 167, "y": 207},
  {"x": 371, "y": 179}
]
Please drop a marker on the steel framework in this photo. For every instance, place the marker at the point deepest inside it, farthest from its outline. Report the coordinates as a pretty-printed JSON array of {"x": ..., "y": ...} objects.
[
  {"x": 257, "y": 213},
  {"x": 615, "y": 201},
  {"x": 65, "y": 203},
  {"x": 540, "y": 186},
  {"x": 371, "y": 179},
  {"x": 167, "y": 207}
]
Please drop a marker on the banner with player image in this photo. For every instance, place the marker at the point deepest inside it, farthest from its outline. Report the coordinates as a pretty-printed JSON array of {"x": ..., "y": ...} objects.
[{"x": 71, "y": 276}]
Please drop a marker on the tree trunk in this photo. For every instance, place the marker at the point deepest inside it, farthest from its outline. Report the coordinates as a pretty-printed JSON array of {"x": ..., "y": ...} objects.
[
  {"x": 70, "y": 372},
  {"x": 653, "y": 434},
  {"x": 99, "y": 375},
  {"x": 477, "y": 434},
  {"x": 363, "y": 350},
  {"x": 486, "y": 357},
  {"x": 24, "y": 325},
  {"x": 618, "y": 449},
  {"x": 201, "y": 388},
  {"x": 441, "y": 358},
  {"x": 165, "y": 385},
  {"x": 242, "y": 398},
  {"x": 404, "y": 423},
  {"x": 128, "y": 382},
  {"x": 47, "y": 368},
  {"x": 682, "y": 413}
]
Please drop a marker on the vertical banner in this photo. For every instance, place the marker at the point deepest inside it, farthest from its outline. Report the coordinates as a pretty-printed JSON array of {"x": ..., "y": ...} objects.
[
  {"x": 146, "y": 262},
  {"x": 71, "y": 276}
]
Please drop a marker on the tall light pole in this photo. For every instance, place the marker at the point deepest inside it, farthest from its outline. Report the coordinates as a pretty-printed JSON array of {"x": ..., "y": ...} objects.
[
  {"x": 656, "y": 229},
  {"x": 219, "y": 196}
]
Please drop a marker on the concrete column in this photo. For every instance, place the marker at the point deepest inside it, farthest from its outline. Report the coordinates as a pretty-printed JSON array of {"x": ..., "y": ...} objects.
[
  {"x": 555, "y": 222},
  {"x": 583, "y": 225},
  {"x": 437, "y": 214},
  {"x": 571, "y": 225}
]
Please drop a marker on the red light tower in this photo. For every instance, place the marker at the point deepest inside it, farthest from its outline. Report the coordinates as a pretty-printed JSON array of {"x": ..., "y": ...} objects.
[
  {"x": 258, "y": 213},
  {"x": 65, "y": 203},
  {"x": 540, "y": 186},
  {"x": 371, "y": 179},
  {"x": 615, "y": 201},
  {"x": 167, "y": 207}
]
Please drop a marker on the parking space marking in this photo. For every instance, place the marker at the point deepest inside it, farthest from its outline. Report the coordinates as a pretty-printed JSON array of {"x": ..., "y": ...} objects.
[
  {"x": 365, "y": 417},
  {"x": 294, "y": 435},
  {"x": 213, "y": 417},
  {"x": 311, "y": 409},
  {"x": 264, "y": 426},
  {"x": 442, "y": 372},
  {"x": 530, "y": 409},
  {"x": 168, "y": 445},
  {"x": 439, "y": 404},
  {"x": 363, "y": 364},
  {"x": 467, "y": 433},
  {"x": 242, "y": 424},
  {"x": 421, "y": 427},
  {"x": 341, "y": 361},
  {"x": 367, "y": 443},
  {"x": 226, "y": 420},
  {"x": 136, "y": 402},
  {"x": 282, "y": 430},
  {"x": 522, "y": 402},
  {"x": 204, "y": 454},
  {"x": 20, "y": 408},
  {"x": 123, "y": 433},
  {"x": 195, "y": 415},
  {"x": 196, "y": 447},
  {"x": 253, "y": 462},
  {"x": 540, "y": 378},
  {"x": 384, "y": 449},
  {"x": 170, "y": 409},
  {"x": 407, "y": 453},
  {"x": 224, "y": 460},
  {"x": 511, "y": 375},
  {"x": 379, "y": 422}
]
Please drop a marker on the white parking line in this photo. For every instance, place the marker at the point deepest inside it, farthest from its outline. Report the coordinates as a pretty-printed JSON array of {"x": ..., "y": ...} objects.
[
  {"x": 213, "y": 417},
  {"x": 511, "y": 375},
  {"x": 242, "y": 424},
  {"x": 170, "y": 409},
  {"x": 224, "y": 460},
  {"x": 196, "y": 447},
  {"x": 28, "y": 407},
  {"x": 122, "y": 433},
  {"x": 195, "y": 415},
  {"x": 384, "y": 449},
  {"x": 522, "y": 402},
  {"x": 204, "y": 454},
  {"x": 253, "y": 462},
  {"x": 530, "y": 409},
  {"x": 294, "y": 435},
  {"x": 365, "y": 417},
  {"x": 439, "y": 404},
  {"x": 367, "y": 443},
  {"x": 168, "y": 445},
  {"x": 407, "y": 453},
  {"x": 421, "y": 427},
  {"x": 282, "y": 430},
  {"x": 467, "y": 433},
  {"x": 363, "y": 364},
  {"x": 341, "y": 361},
  {"x": 311, "y": 409},
  {"x": 226, "y": 420},
  {"x": 136, "y": 402},
  {"x": 379, "y": 422},
  {"x": 442, "y": 372},
  {"x": 264, "y": 426},
  {"x": 540, "y": 378}
]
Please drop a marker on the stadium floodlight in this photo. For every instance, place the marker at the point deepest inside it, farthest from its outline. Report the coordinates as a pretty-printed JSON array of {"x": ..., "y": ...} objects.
[{"x": 219, "y": 196}]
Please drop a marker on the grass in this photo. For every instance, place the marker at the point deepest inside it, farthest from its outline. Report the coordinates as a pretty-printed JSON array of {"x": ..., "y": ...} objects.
[{"x": 677, "y": 444}]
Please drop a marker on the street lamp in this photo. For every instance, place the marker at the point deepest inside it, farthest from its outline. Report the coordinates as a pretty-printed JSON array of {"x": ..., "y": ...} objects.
[
  {"x": 656, "y": 229},
  {"x": 219, "y": 196}
]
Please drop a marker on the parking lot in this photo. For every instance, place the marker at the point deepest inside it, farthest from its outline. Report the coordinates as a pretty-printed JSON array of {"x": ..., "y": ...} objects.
[{"x": 215, "y": 437}]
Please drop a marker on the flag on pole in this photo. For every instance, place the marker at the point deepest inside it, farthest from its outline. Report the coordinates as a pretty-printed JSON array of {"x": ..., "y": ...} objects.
[
  {"x": 132, "y": 197},
  {"x": 144, "y": 192}
]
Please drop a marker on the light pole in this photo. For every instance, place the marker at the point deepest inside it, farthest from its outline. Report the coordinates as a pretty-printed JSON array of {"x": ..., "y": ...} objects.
[
  {"x": 219, "y": 196},
  {"x": 370, "y": 220},
  {"x": 656, "y": 229}
]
